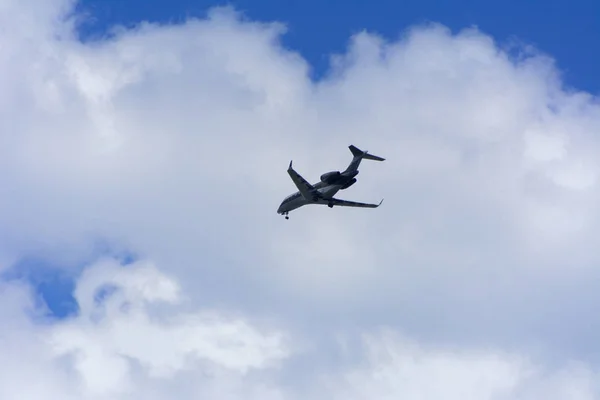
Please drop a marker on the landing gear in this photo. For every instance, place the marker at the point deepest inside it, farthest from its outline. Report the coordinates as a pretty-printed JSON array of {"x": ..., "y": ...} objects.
[
  {"x": 330, "y": 205},
  {"x": 286, "y": 215}
]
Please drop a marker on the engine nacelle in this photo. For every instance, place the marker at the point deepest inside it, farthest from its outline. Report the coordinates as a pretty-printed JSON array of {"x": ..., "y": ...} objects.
[
  {"x": 350, "y": 183},
  {"x": 330, "y": 177}
]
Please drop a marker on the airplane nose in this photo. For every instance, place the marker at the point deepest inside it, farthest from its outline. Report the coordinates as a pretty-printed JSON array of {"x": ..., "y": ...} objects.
[{"x": 282, "y": 208}]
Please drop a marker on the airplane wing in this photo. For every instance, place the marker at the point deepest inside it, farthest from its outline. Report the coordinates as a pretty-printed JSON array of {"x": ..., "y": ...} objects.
[
  {"x": 346, "y": 203},
  {"x": 307, "y": 190}
]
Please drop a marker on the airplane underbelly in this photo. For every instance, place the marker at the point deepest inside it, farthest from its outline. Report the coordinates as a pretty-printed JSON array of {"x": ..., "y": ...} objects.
[
  {"x": 329, "y": 191},
  {"x": 299, "y": 202}
]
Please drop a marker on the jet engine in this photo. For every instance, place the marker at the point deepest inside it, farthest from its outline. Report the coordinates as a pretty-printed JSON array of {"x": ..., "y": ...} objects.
[
  {"x": 331, "y": 177},
  {"x": 350, "y": 183}
]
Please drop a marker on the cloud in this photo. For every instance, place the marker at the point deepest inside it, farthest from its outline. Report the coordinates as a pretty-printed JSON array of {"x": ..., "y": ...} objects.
[
  {"x": 117, "y": 324},
  {"x": 398, "y": 367},
  {"x": 171, "y": 142},
  {"x": 125, "y": 346},
  {"x": 135, "y": 341},
  {"x": 130, "y": 333}
]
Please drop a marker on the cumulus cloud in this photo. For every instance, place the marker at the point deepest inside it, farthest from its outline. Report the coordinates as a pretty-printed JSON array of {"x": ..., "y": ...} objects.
[
  {"x": 123, "y": 345},
  {"x": 171, "y": 142},
  {"x": 122, "y": 334},
  {"x": 115, "y": 326}
]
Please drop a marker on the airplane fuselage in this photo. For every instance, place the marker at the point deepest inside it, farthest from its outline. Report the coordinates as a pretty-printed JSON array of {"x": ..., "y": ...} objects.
[{"x": 327, "y": 190}]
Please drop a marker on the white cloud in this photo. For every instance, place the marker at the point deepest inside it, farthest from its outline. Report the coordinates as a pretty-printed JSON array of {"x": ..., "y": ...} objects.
[
  {"x": 132, "y": 336},
  {"x": 118, "y": 327},
  {"x": 172, "y": 142},
  {"x": 400, "y": 368},
  {"x": 125, "y": 345}
]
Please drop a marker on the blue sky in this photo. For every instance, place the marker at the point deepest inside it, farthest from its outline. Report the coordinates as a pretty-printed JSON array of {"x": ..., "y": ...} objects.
[{"x": 568, "y": 31}]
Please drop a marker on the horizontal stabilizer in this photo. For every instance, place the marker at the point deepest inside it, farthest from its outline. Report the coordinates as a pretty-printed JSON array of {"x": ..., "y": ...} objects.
[{"x": 356, "y": 152}]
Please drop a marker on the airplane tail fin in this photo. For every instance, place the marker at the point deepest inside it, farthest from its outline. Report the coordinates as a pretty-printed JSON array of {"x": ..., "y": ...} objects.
[
  {"x": 356, "y": 152},
  {"x": 359, "y": 155}
]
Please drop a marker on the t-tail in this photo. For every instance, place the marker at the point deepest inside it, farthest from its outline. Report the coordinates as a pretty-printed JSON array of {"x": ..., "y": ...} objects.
[{"x": 359, "y": 155}]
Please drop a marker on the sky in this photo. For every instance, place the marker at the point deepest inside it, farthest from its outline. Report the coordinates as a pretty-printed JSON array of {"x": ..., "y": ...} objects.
[
  {"x": 317, "y": 29},
  {"x": 141, "y": 256}
]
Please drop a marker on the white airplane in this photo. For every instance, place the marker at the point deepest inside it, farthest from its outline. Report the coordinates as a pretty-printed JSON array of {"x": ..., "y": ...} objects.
[{"x": 323, "y": 191}]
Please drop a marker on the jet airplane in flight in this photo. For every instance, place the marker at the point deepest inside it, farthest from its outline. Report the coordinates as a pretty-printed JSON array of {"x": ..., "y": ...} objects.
[{"x": 323, "y": 191}]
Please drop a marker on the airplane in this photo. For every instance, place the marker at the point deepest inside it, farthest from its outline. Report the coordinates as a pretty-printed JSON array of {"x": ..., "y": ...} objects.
[{"x": 323, "y": 191}]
